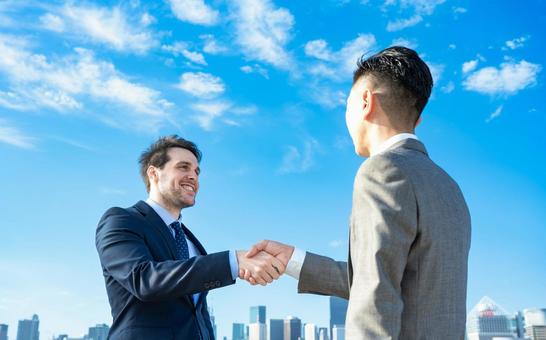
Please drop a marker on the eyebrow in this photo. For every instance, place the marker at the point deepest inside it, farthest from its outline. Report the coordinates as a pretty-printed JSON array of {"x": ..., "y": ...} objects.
[{"x": 188, "y": 163}]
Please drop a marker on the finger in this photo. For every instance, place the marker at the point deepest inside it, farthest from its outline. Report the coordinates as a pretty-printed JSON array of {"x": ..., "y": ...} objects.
[
  {"x": 252, "y": 281},
  {"x": 270, "y": 271},
  {"x": 241, "y": 274},
  {"x": 278, "y": 265},
  {"x": 256, "y": 248},
  {"x": 247, "y": 274},
  {"x": 260, "y": 280}
]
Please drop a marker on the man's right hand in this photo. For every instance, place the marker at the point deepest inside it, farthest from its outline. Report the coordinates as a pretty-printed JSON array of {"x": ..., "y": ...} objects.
[
  {"x": 280, "y": 251},
  {"x": 262, "y": 268}
]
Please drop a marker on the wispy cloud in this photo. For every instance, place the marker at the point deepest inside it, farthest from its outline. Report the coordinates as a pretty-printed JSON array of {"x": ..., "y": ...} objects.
[
  {"x": 515, "y": 43},
  {"x": 262, "y": 30},
  {"x": 195, "y": 12},
  {"x": 181, "y": 48},
  {"x": 105, "y": 190},
  {"x": 507, "y": 79},
  {"x": 201, "y": 85},
  {"x": 469, "y": 66},
  {"x": 111, "y": 27},
  {"x": 211, "y": 45},
  {"x": 299, "y": 160},
  {"x": 421, "y": 8},
  {"x": 256, "y": 68},
  {"x": 336, "y": 243},
  {"x": 405, "y": 42},
  {"x": 495, "y": 114},
  {"x": 338, "y": 65},
  {"x": 65, "y": 83},
  {"x": 13, "y": 136}
]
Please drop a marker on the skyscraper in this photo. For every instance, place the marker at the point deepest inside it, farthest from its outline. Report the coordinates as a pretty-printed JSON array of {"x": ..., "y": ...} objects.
[
  {"x": 487, "y": 320},
  {"x": 292, "y": 328},
  {"x": 276, "y": 329},
  {"x": 323, "y": 334},
  {"x": 257, "y": 331},
  {"x": 213, "y": 322},
  {"x": 3, "y": 332},
  {"x": 29, "y": 329},
  {"x": 338, "y": 332},
  {"x": 238, "y": 331},
  {"x": 535, "y": 323},
  {"x": 338, "y": 311},
  {"x": 310, "y": 332},
  {"x": 257, "y": 314},
  {"x": 98, "y": 332}
]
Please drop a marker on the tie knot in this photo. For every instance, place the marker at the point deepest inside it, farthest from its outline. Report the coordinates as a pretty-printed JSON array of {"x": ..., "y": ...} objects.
[{"x": 176, "y": 226}]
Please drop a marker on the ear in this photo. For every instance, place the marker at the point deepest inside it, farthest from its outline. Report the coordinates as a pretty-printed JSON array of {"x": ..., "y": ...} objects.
[
  {"x": 152, "y": 174},
  {"x": 368, "y": 105}
]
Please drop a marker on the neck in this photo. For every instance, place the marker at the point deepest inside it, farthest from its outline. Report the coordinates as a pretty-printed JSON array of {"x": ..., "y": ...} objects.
[
  {"x": 173, "y": 211},
  {"x": 378, "y": 134}
]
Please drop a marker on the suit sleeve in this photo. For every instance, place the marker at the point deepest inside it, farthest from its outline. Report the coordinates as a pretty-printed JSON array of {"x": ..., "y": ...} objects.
[
  {"x": 125, "y": 256},
  {"x": 323, "y": 276},
  {"x": 384, "y": 227}
]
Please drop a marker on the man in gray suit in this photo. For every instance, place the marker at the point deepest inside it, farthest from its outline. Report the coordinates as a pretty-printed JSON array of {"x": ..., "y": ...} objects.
[{"x": 410, "y": 227}]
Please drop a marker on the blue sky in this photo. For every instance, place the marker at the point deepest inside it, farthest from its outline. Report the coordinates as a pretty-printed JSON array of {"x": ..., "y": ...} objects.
[{"x": 260, "y": 86}]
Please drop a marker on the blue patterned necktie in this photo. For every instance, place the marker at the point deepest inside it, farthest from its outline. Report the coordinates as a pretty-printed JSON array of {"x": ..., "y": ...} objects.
[{"x": 180, "y": 241}]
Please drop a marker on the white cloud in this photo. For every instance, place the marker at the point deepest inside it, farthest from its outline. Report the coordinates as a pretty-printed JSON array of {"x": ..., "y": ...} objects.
[
  {"x": 52, "y": 22},
  {"x": 340, "y": 64},
  {"x": 147, "y": 19},
  {"x": 508, "y": 79},
  {"x": 63, "y": 84},
  {"x": 13, "y": 136},
  {"x": 436, "y": 71},
  {"x": 495, "y": 114},
  {"x": 400, "y": 24},
  {"x": 194, "y": 11},
  {"x": 112, "y": 191},
  {"x": 181, "y": 48},
  {"x": 470, "y": 66},
  {"x": 202, "y": 85},
  {"x": 109, "y": 26},
  {"x": 256, "y": 68},
  {"x": 336, "y": 243},
  {"x": 516, "y": 43},
  {"x": 299, "y": 160},
  {"x": 318, "y": 49},
  {"x": 211, "y": 45},
  {"x": 421, "y": 8},
  {"x": 405, "y": 43},
  {"x": 262, "y": 31},
  {"x": 209, "y": 112},
  {"x": 452, "y": 46},
  {"x": 459, "y": 10}
]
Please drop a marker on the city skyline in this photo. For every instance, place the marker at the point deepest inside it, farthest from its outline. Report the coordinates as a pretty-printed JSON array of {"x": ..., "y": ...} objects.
[{"x": 260, "y": 86}]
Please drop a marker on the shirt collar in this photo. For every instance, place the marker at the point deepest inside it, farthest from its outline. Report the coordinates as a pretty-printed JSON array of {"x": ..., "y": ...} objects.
[
  {"x": 162, "y": 212},
  {"x": 393, "y": 140}
]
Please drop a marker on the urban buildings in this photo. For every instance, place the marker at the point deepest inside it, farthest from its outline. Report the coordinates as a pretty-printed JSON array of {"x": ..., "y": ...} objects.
[{"x": 29, "y": 329}]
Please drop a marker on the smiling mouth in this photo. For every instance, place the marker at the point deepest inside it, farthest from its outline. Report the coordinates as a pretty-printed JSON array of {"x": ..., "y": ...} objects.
[{"x": 188, "y": 187}]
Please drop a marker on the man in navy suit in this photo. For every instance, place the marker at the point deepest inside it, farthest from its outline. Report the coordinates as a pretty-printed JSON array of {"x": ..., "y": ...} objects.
[{"x": 157, "y": 273}]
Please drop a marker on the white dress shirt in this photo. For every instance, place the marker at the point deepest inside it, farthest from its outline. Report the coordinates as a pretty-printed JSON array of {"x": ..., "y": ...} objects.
[{"x": 296, "y": 261}]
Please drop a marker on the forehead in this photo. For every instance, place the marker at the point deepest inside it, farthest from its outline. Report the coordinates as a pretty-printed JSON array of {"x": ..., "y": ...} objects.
[{"x": 181, "y": 155}]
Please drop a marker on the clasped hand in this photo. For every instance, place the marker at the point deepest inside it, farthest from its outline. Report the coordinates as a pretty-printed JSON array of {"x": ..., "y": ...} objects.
[{"x": 265, "y": 262}]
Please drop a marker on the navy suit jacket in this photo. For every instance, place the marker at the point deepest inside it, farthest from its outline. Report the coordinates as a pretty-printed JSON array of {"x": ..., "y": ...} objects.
[{"x": 149, "y": 289}]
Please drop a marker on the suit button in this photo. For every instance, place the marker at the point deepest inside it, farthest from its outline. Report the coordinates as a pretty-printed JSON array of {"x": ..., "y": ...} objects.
[
  {"x": 206, "y": 286},
  {"x": 218, "y": 283}
]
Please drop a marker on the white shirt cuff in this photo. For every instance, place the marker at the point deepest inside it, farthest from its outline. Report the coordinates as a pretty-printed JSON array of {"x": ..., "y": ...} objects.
[
  {"x": 234, "y": 265},
  {"x": 296, "y": 262}
]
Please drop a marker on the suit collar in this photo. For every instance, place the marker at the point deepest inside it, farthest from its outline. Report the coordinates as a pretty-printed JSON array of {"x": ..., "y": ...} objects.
[{"x": 412, "y": 144}]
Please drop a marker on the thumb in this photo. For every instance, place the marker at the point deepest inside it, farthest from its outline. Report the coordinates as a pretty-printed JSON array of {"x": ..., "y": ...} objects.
[{"x": 258, "y": 247}]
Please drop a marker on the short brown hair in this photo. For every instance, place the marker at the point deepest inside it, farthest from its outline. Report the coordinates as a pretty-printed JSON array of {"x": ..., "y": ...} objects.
[{"x": 156, "y": 155}]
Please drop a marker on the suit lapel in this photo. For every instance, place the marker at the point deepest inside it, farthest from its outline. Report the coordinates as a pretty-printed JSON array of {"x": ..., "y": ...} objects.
[{"x": 156, "y": 222}]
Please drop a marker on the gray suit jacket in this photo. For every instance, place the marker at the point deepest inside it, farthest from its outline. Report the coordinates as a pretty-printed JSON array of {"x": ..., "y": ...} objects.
[{"x": 408, "y": 251}]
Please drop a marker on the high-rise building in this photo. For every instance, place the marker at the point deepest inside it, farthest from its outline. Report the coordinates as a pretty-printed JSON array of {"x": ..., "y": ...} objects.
[
  {"x": 257, "y": 314},
  {"x": 535, "y": 323},
  {"x": 310, "y": 332},
  {"x": 276, "y": 329},
  {"x": 338, "y": 332},
  {"x": 518, "y": 325},
  {"x": 487, "y": 320},
  {"x": 98, "y": 332},
  {"x": 323, "y": 334},
  {"x": 29, "y": 329},
  {"x": 292, "y": 328},
  {"x": 338, "y": 311},
  {"x": 3, "y": 332},
  {"x": 213, "y": 322},
  {"x": 239, "y": 331},
  {"x": 257, "y": 331}
]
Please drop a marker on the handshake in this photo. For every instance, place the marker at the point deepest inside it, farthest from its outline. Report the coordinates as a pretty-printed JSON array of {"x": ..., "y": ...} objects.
[{"x": 264, "y": 262}]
